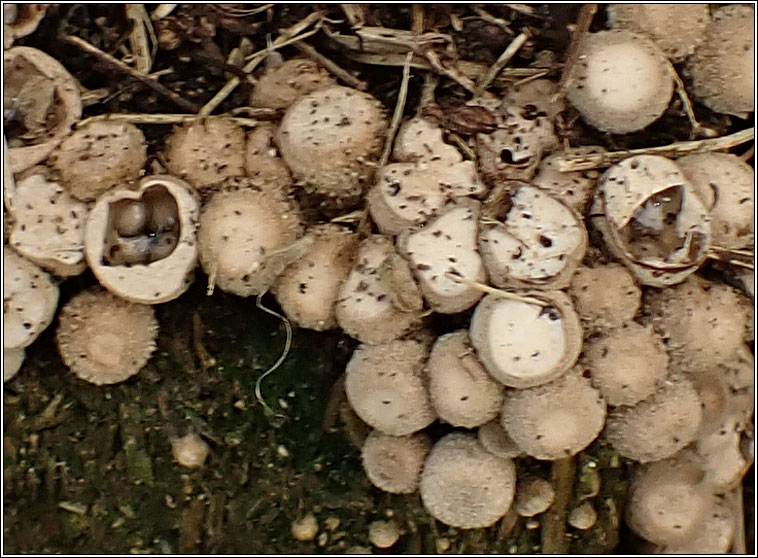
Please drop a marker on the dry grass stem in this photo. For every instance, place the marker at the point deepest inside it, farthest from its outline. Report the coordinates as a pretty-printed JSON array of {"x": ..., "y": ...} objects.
[
  {"x": 554, "y": 540},
  {"x": 163, "y": 10},
  {"x": 330, "y": 65},
  {"x": 461, "y": 144},
  {"x": 165, "y": 119},
  {"x": 355, "y": 14},
  {"x": 569, "y": 163},
  {"x": 352, "y": 217},
  {"x": 497, "y": 292},
  {"x": 141, "y": 37},
  {"x": 418, "y": 19},
  {"x": 397, "y": 116},
  {"x": 582, "y": 26},
  {"x": 697, "y": 129},
  {"x": 525, "y": 9},
  {"x": 489, "y": 18},
  {"x": 280, "y": 360},
  {"x": 747, "y": 155},
  {"x": 502, "y": 61},
  {"x": 453, "y": 73}
]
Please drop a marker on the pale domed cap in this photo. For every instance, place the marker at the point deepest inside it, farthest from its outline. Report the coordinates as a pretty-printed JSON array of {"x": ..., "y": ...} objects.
[
  {"x": 206, "y": 152},
  {"x": 463, "y": 485},
  {"x": 462, "y": 392},
  {"x": 265, "y": 168},
  {"x": 605, "y": 296},
  {"x": 280, "y": 87},
  {"x": 385, "y": 385},
  {"x": 621, "y": 82},
  {"x": 676, "y": 28},
  {"x": 583, "y": 516},
  {"x": 723, "y": 67},
  {"x": 713, "y": 533},
  {"x": 104, "y": 339},
  {"x": 99, "y": 156},
  {"x": 554, "y": 420},
  {"x": 394, "y": 463},
  {"x": 30, "y": 298},
  {"x": 494, "y": 438},
  {"x": 534, "y": 495},
  {"x": 659, "y": 426},
  {"x": 330, "y": 138},
  {"x": 383, "y": 534}
]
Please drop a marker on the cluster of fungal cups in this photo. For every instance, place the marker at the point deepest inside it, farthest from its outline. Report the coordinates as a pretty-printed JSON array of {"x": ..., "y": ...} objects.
[{"x": 559, "y": 349}]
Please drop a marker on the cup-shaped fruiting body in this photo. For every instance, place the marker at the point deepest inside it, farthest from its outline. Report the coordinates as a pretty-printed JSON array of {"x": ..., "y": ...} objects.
[
  {"x": 626, "y": 364},
  {"x": 621, "y": 83},
  {"x": 534, "y": 495},
  {"x": 99, "y": 156},
  {"x": 385, "y": 385},
  {"x": 20, "y": 20},
  {"x": 726, "y": 185},
  {"x": 676, "y": 28},
  {"x": 44, "y": 104},
  {"x": 247, "y": 237},
  {"x": 394, "y": 463},
  {"x": 308, "y": 289},
  {"x": 280, "y": 87},
  {"x": 104, "y": 339},
  {"x": 141, "y": 243},
  {"x": 659, "y": 426},
  {"x": 652, "y": 219},
  {"x": 712, "y": 534},
  {"x": 444, "y": 251},
  {"x": 365, "y": 308},
  {"x": 704, "y": 322},
  {"x": 604, "y": 296},
  {"x": 523, "y": 343},
  {"x": 723, "y": 66},
  {"x": 29, "y": 300},
  {"x": 48, "y": 226},
  {"x": 463, "y": 485},
  {"x": 462, "y": 392},
  {"x": 265, "y": 168},
  {"x": 493, "y": 437},
  {"x": 12, "y": 361},
  {"x": 537, "y": 244},
  {"x": 206, "y": 152},
  {"x": 667, "y": 501},
  {"x": 190, "y": 451},
  {"x": 554, "y": 420},
  {"x": 572, "y": 188},
  {"x": 331, "y": 138}
]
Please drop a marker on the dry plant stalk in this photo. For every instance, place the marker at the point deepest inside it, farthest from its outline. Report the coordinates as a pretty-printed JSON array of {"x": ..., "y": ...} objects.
[
  {"x": 582, "y": 26},
  {"x": 139, "y": 42},
  {"x": 398, "y": 114},
  {"x": 502, "y": 61},
  {"x": 165, "y": 119},
  {"x": 330, "y": 65},
  {"x": 496, "y": 292},
  {"x": 697, "y": 129},
  {"x": 554, "y": 539}
]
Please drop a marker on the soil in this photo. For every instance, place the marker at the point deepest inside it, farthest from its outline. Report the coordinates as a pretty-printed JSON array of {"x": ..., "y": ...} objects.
[{"x": 88, "y": 469}]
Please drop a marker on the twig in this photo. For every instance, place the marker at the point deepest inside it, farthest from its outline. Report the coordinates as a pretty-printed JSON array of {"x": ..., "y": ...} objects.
[
  {"x": 509, "y": 52},
  {"x": 333, "y": 67},
  {"x": 747, "y": 155},
  {"x": 525, "y": 9},
  {"x": 138, "y": 37},
  {"x": 281, "y": 40},
  {"x": 554, "y": 520},
  {"x": 569, "y": 163},
  {"x": 418, "y": 19},
  {"x": 738, "y": 546},
  {"x": 397, "y": 116},
  {"x": 355, "y": 14},
  {"x": 489, "y": 18},
  {"x": 162, "y": 11},
  {"x": 164, "y": 119},
  {"x": 493, "y": 291},
  {"x": 462, "y": 145},
  {"x": 153, "y": 84},
  {"x": 697, "y": 129},
  {"x": 452, "y": 73},
  {"x": 582, "y": 26},
  {"x": 352, "y": 217},
  {"x": 280, "y": 360}
]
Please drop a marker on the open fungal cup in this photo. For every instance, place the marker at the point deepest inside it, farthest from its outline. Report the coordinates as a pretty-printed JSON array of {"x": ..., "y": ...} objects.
[
  {"x": 621, "y": 83},
  {"x": 652, "y": 219},
  {"x": 536, "y": 243},
  {"x": 41, "y": 103},
  {"x": 141, "y": 243},
  {"x": 524, "y": 344},
  {"x": 104, "y": 339}
]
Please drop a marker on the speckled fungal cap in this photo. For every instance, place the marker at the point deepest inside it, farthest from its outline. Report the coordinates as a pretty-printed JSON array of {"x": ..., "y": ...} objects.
[
  {"x": 604, "y": 296},
  {"x": 667, "y": 501},
  {"x": 44, "y": 104},
  {"x": 394, "y": 463},
  {"x": 723, "y": 67},
  {"x": 534, "y": 495},
  {"x": 621, "y": 83},
  {"x": 523, "y": 344},
  {"x": 420, "y": 140},
  {"x": 104, "y": 339},
  {"x": 330, "y": 138},
  {"x": 247, "y": 238},
  {"x": 20, "y": 20},
  {"x": 659, "y": 426},
  {"x": 537, "y": 98},
  {"x": 537, "y": 244},
  {"x": 99, "y": 156},
  {"x": 308, "y": 289},
  {"x": 206, "y": 152},
  {"x": 493, "y": 437},
  {"x": 704, "y": 322},
  {"x": 385, "y": 385},
  {"x": 713, "y": 533},
  {"x": 29, "y": 300},
  {"x": 572, "y": 188},
  {"x": 49, "y": 226},
  {"x": 676, "y": 28},
  {"x": 464, "y": 486},
  {"x": 263, "y": 165},
  {"x": 447, "y": 245},
  {"x": 626, "y": 364},
  {"x": 12, "y": 361},
  {"x": 462, "y": 392},
  {"x": 141, "y": 244},
  {"x": 652, "y": 219},
  {"x": 365, "y": 309},
  {"x": 280, "y": 87},
  {"x": 726, "y": 185},
  {"x": 554, "y": 420},
  {"x": 720, "y": 455}
]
